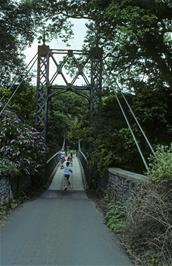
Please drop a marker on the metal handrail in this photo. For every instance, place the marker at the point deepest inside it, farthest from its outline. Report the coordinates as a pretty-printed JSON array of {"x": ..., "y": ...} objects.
[
  {"x": 85, "y": 165},
  {"x": 50, "y": 166},
  {"x": 52, "y": 163},
  {"x": 52, "y": 157},
  {"x": 79, "y": 149},
  {"x": 83, "y": 155}
]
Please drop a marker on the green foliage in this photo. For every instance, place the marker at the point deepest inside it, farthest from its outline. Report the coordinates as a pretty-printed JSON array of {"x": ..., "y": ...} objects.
[
  {"x": 168, "y": 38},
  {"x": 160, "y": 167},
  {"x": 145, "y": 105},
  {"x": 148, "y": 232},
  {"x": 132, "y": 35},
  {"x": 115, "y": 216},
  {"x": 101, "y": 159},
  {"x": 113, "y": 143},
  {"x": 152, "y": 258},
  {"x": 21, "y": 144},
  {"x": 4, "y": 92},
  {"x": 20, "y": 22},
  {"x": 16, "y": 31},
  {"x": 7, "y": 168},
  {"x": 23, "y": 103},
  {"x": 6, "y": 207},
  {"x": 152, "y": 108},
  {"x": 66, "y": 113}
]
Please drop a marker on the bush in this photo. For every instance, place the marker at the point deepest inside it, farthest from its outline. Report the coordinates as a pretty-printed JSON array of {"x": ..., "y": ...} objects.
[
  {"x": 7, "y": 168},
  {"x": 149, "y": 225},
  {"x": 101, "y": 158},
  {"x": 160, "y": 168},
  {"x": 20, "y": 144},
  {"x": 115, "y": 216},
  {"x": 149, "y": 218}
]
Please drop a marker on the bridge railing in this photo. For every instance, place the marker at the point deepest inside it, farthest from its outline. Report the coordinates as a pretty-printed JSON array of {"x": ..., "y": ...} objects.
[
  {"x": 85, "y": 165},
  {"x": 51, "y": 165}
]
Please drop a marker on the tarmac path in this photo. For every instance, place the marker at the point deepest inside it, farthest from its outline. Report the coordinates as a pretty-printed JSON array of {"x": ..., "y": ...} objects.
[{"x": 60, "y": 228}]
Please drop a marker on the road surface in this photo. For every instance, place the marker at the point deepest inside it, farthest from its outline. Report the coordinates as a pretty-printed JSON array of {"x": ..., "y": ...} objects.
[{"x": 60, "y": 228}]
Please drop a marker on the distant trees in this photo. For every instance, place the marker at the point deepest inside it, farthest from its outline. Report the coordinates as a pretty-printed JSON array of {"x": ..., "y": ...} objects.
[
  {"x": 136, "y": 40},
  {"x": 66, "y": 111}
]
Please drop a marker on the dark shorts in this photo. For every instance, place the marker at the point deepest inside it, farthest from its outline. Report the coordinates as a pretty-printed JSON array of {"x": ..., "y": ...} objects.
[{"x": 67, "y": 176}]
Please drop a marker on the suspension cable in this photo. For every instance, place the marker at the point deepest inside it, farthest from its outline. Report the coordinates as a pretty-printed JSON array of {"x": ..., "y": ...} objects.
[
  {"x": 64, "y": 142},
  {"x": 12, "y": 95},
  {"x": 2, "y": 98},
  {"x": 132, "y": 133},
  {"x": 17, "y": 77},
  {"x": 141, "y": 129}
]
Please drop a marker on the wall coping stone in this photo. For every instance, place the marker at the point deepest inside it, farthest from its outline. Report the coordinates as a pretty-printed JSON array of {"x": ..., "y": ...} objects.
[{"x": 127, "y": 174}]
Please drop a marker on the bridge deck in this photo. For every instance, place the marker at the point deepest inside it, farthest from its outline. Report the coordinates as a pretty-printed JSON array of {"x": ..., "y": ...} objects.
[
  {"x": 75, "y": 178},
  {"x": 60, "y": 228}
]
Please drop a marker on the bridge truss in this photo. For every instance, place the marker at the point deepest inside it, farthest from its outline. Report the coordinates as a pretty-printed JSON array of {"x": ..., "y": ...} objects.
[
  {"x": 82, "y": 66},
  {"x": 89, "y": 67}
]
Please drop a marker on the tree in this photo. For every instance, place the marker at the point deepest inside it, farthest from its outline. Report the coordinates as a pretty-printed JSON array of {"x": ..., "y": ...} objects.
[
  {"x": 16, "y": 31},
  {"x": 23, "y": 104},
  {"x": 21, "y": 144},
  {"x": 132, "y": 34},
  {"x": 66, "y": 110},
  {"x": 134, "y": 40},
  {"x": 20, "y": 23}
]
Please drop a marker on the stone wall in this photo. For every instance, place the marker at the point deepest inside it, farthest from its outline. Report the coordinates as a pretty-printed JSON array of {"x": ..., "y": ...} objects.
[
  {"x": 123, "y": 184},
  {"x": 5, "y": 190},
  {"x": 20, "y": 185}
]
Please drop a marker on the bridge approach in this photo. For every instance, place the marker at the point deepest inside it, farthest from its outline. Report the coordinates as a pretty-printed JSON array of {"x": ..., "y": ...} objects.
[{"x": 60, "y": 228}]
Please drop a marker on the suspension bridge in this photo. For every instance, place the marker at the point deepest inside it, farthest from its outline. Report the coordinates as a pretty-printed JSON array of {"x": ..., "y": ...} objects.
[{"x": 64, "y": 228}]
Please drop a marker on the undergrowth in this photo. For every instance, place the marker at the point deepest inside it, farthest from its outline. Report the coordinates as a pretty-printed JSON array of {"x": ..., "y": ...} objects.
[
  {"x": 6, "y": 207},
  {"x": 145, "y": 221},
  {"x": 149, "y": 225},
  {"x": 115, "y": 215}
]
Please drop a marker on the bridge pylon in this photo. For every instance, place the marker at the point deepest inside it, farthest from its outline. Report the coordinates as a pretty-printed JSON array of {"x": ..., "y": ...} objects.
[
  {"x": 96, "y": 55},
  {"x": 82, "y": 61},
  {"x": 41, "y": 118}
]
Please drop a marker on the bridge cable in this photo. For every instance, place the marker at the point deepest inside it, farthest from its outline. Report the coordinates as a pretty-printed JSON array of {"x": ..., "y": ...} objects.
[
  {"x": 13, "y": 94},
  {"x": 80, "y": 150},
  {"x": 141, "y": 129},
  {"x": 2, "y": 98},
  {"x": 132, "y": 133},
  {"x": 64, "y": 142},
  {"x": 17, "y": 77}
]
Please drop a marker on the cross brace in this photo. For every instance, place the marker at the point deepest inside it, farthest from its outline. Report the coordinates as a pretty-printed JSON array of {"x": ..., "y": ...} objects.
[{"x": 92, "y": 80}]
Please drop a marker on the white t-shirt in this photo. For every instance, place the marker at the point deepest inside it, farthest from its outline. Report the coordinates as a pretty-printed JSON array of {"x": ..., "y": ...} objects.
[
  {"x": 62, "y": 154},
  {"x": 67, "y": 170}
]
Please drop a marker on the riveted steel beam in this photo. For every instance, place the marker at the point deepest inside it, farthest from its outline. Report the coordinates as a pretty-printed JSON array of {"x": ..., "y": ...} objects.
[
  {"x": 92, "y": 82},
  {"x": 41, "y": 118},
  {"x": 96, "y": 55}
]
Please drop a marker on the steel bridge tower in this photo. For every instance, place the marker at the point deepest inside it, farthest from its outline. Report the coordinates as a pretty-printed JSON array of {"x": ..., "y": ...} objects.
[{"x": 83, "y": 62}]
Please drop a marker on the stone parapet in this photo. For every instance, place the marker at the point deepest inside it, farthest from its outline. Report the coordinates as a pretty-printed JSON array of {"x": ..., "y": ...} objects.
[
  {"x": 123, "y": 184},
  {"x": 5, "y": 190}
]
